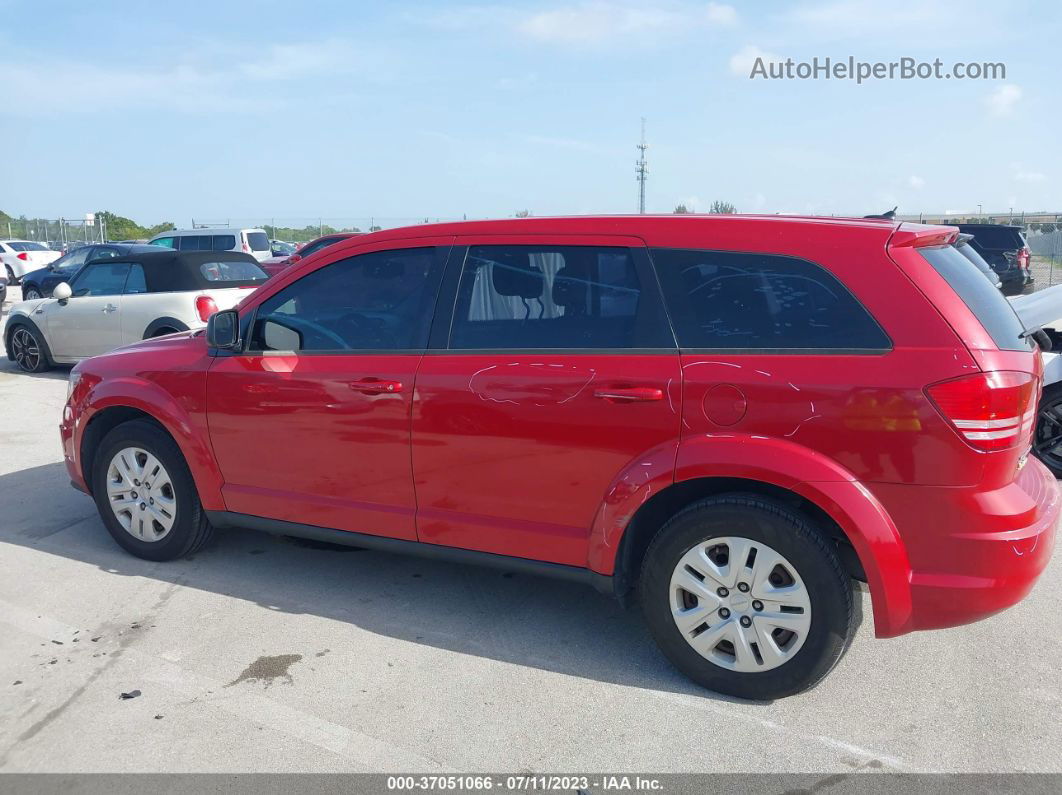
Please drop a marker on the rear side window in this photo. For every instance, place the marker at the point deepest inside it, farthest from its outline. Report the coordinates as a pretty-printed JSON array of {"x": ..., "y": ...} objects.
[
  {"x": 983, "y": 299},
  {"x": 762, "y": 302},
  {"x": 258, "y": 241},
  {"x": 555, "y": 297},
  {"x": 239, "y": 271},
  {"x": 224, "y": 242},
  {"x": 26, "y": 245}
]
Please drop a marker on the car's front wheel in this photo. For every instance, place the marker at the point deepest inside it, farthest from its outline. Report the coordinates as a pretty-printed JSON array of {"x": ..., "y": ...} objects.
[
  {"x": 1047, "y": 445},
  {"x": 145, "y": 493},
  {"x": 31, "y": 293},
  {"x": 747, "y": 597},
  {"x": 29, "y": 351}
]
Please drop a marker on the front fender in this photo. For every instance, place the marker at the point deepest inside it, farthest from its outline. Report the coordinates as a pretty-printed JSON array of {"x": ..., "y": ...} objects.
[{"x": 148, "y": 397}]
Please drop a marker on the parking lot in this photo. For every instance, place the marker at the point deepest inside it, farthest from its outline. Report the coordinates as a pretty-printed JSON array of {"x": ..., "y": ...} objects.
[{"x": 267, "y": 654}]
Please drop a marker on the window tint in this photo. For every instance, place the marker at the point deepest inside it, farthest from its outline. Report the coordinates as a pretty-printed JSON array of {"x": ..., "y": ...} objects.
[
  {"x": 317, "y": 245},
  {"x": 25, "y": 245},
  {"x": 258, "y": 241},
  {"x": 761, "y": 302},
  {"x": 101, "y": 279},
  {"x": 998, "y": 237},
  {"x": 223, "y": 242},
  {"x": 233, "y": 271},
  {"x": 135, "y": 283},
  {"x": 985, "y": 301},
  {"x": 376, "y": 301},
  {"x": 168, "y": 242},
  {"x": 554, "y": 297},
  {"x": 104, "y": 253}
]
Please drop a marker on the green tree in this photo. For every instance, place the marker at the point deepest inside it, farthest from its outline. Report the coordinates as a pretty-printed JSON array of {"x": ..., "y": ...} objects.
[
  {"x": 681, "y": 210},
  {"x": 722, "y": 208}
]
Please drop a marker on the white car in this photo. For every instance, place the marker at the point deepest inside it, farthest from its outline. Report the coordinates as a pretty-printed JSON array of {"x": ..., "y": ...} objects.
[
  {"x": 119, "y": 301},
  {"x": 19, "y": 257},
  {"x": 251, "y": 241}
]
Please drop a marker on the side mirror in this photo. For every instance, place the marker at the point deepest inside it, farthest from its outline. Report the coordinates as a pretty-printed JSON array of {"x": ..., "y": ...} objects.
[
  {"x": 223, "y": 330},
  {"x": 62, "y": 292}
]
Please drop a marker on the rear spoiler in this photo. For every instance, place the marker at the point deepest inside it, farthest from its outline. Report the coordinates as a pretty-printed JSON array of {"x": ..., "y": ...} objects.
[{"x": 922, "y": 236}]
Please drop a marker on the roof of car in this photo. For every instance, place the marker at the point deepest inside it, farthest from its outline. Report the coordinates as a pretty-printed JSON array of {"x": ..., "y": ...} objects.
[
  {"x": 166, "y": 269},
  {"x": 132, "y": 248}
]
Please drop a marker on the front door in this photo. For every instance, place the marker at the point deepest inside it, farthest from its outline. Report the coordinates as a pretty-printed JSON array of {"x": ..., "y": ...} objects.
[
  {"x": 310, "y": 423},
  {"x": 89, "y": 323},
  {"x": 559, "y": 372}
]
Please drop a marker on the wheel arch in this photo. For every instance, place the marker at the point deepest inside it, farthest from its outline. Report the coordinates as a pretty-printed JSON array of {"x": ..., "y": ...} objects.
[
  {"x": 151, "y": 403},
  {"x": 161, "y": 323},
  {"x": 865, "y": 537}
]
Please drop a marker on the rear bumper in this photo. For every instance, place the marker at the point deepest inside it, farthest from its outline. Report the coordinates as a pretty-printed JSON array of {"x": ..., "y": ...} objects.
[{"x": 973, "y": 553}]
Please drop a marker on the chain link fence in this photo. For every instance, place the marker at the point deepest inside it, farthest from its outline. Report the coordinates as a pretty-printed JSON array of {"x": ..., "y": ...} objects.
[{"x": 55, "y": 232}]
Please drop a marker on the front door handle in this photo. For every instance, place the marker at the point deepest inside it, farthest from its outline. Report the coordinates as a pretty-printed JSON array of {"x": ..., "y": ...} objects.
[
  {"x": 632, "y": 394},
  {"x": 375, "y": 386},
  {"x": 110, "y": 308}
]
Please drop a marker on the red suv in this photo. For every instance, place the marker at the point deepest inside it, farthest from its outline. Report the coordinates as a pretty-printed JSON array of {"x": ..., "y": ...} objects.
[{"x": 731, "y": 417}]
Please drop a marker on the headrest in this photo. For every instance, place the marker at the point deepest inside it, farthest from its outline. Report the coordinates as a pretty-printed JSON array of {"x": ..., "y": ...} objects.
[{"x": 517, "y": 277}]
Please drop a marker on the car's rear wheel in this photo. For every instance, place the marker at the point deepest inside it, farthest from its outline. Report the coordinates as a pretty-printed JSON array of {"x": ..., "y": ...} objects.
[
  {"x": 747, "y": 597},
  {"x": 1047, "y": 445},
  {"x": 31, "y": 294},
  {"x": 29, "y": 351},
  {"x": 10, "y": 275},
  {"x": 145, "y": 493}
]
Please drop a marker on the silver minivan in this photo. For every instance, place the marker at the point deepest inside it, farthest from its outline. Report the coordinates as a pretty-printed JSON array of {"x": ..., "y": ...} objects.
[{"x": 249, "y": 241}]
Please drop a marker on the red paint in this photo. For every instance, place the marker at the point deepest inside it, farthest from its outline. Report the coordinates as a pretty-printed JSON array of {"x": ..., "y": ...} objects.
[{"x": 548, "y": 456}]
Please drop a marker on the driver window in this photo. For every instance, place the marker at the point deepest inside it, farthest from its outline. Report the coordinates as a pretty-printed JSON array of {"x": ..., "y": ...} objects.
[
  {"x": 101, "y": 279},
  {"x": 375, "y": 301}
]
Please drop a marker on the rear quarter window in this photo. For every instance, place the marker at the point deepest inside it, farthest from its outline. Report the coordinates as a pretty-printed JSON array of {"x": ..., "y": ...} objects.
[
  {"x": 986, "y": 302},
  {"x": 258, "y": 241},
  {"x": 218, "y": 273}
]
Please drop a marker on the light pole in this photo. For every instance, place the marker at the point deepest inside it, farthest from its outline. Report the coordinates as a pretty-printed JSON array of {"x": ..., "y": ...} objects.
[{"x": 979, "y": 210}]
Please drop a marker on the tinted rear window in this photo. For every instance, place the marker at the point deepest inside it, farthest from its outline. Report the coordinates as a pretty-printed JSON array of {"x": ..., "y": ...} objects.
[
  {"x": 224, "y": 242},
  {"x": 258, "y": 241},
  {"x": 996, "y": 236},
  {"x": 758, "y": 302},
  {"x": 983, "y": 299},
  {"x": 26, "y": 245},
  {"x": 218, "y": 272}
]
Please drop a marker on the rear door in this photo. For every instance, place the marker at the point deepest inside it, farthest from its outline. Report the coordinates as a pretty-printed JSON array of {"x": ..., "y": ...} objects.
[
  {"x": 311, "y": 422},
  {"x": 89, "y": 323},
  {"x": 557, "y": 371}
]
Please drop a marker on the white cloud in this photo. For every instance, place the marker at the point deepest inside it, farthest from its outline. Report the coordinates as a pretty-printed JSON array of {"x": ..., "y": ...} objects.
[
  {"x": 721, "y": 14},
  {"x": 916, "y": 182},
  {"x": 595, "y": 21},
  {"x": 1002, "y": 101},
  {"x": 743, "y": 60},
  {"x": 1021, "y": 175}
]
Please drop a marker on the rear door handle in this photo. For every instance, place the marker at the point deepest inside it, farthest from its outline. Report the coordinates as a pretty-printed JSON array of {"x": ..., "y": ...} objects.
[
  {"x": 633, "y": 394},
  {"x": 374, "y": 386}
]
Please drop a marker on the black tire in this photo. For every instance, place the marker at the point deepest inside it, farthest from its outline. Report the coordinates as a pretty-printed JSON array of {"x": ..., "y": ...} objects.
[
  {"x": 161, "y": 332},
  {"x": 22, "y": 349},
  {"x": 31, "y": 293},
  {"x": 1047, "y": 443},
  {"x": 11, "y": 276},
  {"x": 792, "y": 535},
  {"x": 190, "y": 530}
]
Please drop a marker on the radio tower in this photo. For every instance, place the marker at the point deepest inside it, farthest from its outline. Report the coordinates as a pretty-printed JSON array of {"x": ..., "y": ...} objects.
[{"x": 641, "y": 168}]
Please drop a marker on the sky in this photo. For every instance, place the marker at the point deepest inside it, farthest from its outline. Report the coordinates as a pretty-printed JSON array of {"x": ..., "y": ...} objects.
[{"x": 402, "y": 110}]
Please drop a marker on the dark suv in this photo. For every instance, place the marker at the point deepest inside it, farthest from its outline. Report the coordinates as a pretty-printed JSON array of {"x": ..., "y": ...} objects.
[
  {"x": 731, "y": 416},
  {"x": 1006, "y": 250}
]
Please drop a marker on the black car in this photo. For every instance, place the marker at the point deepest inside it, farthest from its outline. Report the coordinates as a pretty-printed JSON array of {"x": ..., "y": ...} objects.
[
  {"x": 965, "y": 246},
  {"x": 1005, "y": 249},
  {"x": 40, "y": 283}
]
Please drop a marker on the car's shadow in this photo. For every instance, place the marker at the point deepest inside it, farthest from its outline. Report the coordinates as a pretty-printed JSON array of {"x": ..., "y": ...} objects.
[{"x": 514, "y": 618}]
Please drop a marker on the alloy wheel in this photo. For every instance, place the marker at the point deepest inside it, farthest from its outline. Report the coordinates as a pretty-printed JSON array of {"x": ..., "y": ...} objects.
[
  {"x": 140, "y": 493},
  {"x": 26, "y": 350},
  {"x": 740, "y": 604},
  {"x": 32, "y": 294}
]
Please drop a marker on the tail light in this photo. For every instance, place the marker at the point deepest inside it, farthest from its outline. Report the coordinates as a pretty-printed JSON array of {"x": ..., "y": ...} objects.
[
  {"x": 205, "y": 307},
  {"x": 991, "y": 411},
  {"x": 23, "y": 256},
  {"x": 1024, "y": 257}
]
